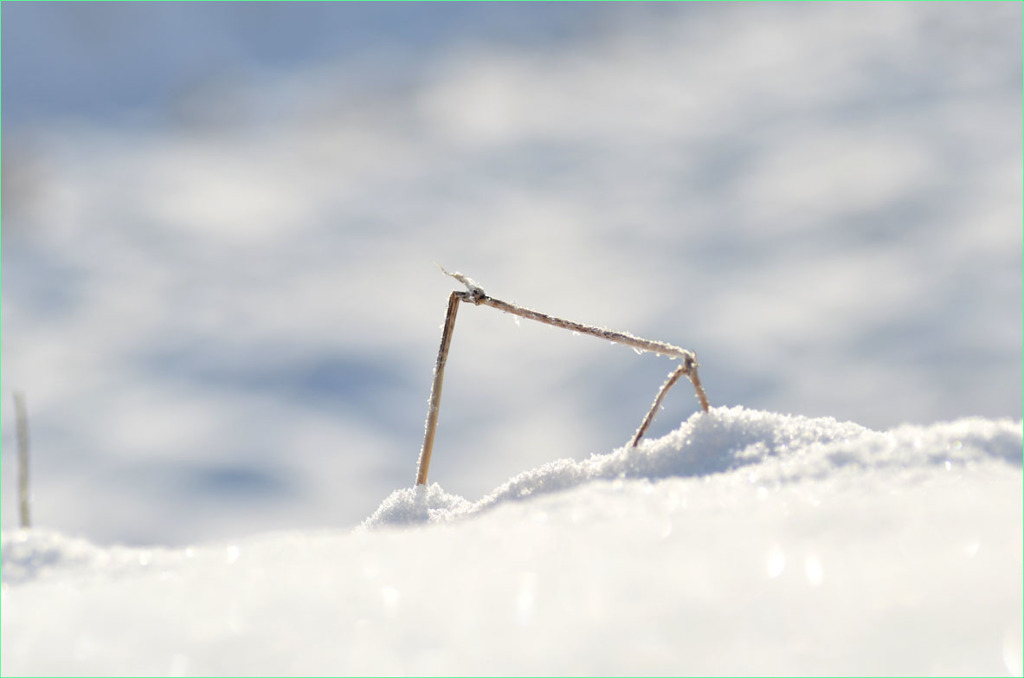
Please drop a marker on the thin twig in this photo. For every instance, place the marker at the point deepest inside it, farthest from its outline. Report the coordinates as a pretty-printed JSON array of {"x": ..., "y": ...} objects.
[
  {"x": 24, "y": 497},
  {"x": 599, "y": 332},
  {"x": 475, "y": 294},
  {"x": 435, "y": 388},
  {"x": 669, "y": 383}
]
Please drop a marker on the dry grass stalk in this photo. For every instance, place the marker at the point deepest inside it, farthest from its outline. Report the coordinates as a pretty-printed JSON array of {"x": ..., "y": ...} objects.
[
  {"x": 435, "y": 389},
  {"x": 475, "y": 295},
  {"x": 24, "y": 498}
]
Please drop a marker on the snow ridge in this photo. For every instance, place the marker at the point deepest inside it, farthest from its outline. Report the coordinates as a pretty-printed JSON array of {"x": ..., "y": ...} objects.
[
  {"x": 743, "y": 543},
  {"x": 769, "y": 447}
]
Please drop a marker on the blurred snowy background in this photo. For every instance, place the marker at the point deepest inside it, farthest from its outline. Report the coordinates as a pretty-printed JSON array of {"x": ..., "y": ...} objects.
[{"x": 220, "y": 223}]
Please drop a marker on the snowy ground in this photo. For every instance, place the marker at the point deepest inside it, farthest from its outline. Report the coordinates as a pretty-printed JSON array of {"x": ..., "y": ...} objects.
[
  {"x": 743, "y": 542},
  {"x": 224, "y": 313}
]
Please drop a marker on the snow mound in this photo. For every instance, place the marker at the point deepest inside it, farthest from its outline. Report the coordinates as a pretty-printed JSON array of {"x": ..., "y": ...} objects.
[
  {"x": 768, "y": 447},
  {"x": 27, "y": 554},
  {"x": 419, "y": 504},
  {"x": 743, "y": 543},
  {"x": 40, "y": 554}
]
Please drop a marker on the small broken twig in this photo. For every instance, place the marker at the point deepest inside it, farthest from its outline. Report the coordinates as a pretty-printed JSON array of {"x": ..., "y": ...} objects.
[
  {"x": 24, "y": 497},
  {"x": 475, "y": 294}
]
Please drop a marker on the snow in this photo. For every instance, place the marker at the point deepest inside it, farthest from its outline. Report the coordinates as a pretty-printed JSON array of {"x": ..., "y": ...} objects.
[
  {"x": 744, "y": 542},
  {"x": 472, "y": 287},
  {"x": 730, "y": 439},
  {"x": 224, "y": 315}
]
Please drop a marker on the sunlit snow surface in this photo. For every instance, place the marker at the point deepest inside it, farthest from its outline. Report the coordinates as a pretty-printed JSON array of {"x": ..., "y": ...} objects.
[{"x": 743, "y": 542}]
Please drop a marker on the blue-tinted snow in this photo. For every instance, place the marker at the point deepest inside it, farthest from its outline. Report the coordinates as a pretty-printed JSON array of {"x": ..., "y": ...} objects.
[{"x": 220, "y": 224}]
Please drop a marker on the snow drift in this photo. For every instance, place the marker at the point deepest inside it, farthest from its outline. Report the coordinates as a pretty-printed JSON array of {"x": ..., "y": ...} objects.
[
  {"x": 779, "y": 449},
  {"x": 743, "y": 542}
]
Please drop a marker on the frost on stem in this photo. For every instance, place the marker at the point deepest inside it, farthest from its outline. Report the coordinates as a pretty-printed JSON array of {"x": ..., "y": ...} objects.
[
  {"x": 476, "y": 295},
  {"x": 472, "y": 288}
]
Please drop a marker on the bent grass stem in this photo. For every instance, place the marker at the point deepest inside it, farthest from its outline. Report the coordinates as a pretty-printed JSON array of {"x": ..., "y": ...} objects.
[{"x": 475, "y": 295}]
